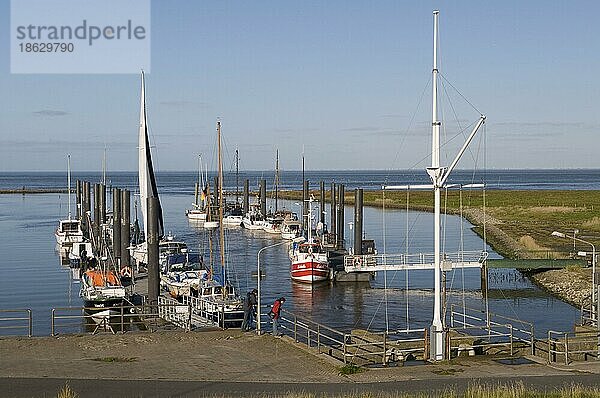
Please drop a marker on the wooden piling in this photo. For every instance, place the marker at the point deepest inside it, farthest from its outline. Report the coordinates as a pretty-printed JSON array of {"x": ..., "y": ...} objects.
[
  {"x": 358, "y": 220},
  {"x": 125, "y": 228},
  {"x": 116, "y": 225},
  {"x": 152, "y": 247}
]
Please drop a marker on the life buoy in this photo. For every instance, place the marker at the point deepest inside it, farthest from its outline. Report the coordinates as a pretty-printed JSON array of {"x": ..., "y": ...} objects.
[
  {"x": 357, "y": 261},
  {"x": 126, "y": 272}
]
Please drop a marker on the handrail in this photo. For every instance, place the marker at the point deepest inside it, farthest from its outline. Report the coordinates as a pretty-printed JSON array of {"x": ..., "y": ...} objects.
[
  {"x": 8, "y": 322},
  {"x": 567, "y": 340},
  {"x": 382, "y": 349}
]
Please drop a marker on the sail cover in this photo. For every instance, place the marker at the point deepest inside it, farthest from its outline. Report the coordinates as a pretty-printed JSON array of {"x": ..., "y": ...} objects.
[{"x": 146, "y": 172}]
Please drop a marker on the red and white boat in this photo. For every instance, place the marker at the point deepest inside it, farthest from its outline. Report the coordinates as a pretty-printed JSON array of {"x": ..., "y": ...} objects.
[
  {"x": 309, "y": 259},
  {"x": 309, "y": 263}
]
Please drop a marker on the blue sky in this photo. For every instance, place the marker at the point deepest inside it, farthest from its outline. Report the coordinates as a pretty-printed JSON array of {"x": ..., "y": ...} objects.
[{"x": 347, "y": 81}]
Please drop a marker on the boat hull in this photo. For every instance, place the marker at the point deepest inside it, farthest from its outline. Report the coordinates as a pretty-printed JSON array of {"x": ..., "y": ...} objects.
[
  {"x": 309, "y": 271},
  {"x": 196, "y": 215}
]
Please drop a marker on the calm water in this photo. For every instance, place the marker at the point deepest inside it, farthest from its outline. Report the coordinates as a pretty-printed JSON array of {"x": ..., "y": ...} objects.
[{"x": 31, "y": 275}]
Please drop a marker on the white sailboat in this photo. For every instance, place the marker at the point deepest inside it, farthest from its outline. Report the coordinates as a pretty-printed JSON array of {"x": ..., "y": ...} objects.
[
  {"x": 218, "y": 296},
  {"x": 69, "y": 231},
  {"x": 148, "y": 188},
  {"x": 198, "y": 212}
]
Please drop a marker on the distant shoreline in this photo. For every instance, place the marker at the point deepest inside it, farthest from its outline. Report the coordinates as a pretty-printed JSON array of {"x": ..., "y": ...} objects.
[{"x": 31, "y": 191}]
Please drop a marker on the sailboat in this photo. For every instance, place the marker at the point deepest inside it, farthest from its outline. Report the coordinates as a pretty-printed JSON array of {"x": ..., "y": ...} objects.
[
  {"x": 274, "y": 220},
  {"x": 218, "y": 296},
  {"x": 234, "y": 216},
  {"x": 148, "y": 189},
  {"x": 69, "y": 231},
  {"x": 309, "y": 259},
  {"x": 198, "y": 213}
]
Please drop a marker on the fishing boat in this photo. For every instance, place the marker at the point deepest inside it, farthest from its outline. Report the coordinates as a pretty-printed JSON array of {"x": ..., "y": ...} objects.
[
  {"x": 69, "y": 231},
  {"x": 309, "y": 260}
]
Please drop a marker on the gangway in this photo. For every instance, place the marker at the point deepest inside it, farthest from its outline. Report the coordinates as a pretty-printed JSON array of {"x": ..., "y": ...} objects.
[{"x": 418, "y": 261}]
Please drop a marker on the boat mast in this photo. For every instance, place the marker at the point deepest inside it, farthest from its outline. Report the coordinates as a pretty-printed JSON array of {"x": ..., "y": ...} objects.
[
  {"x": 237, "y": 176},
  {"x": 104, "y": 167},
  {"x": 69, "y": 184},
  {"x": 221, "y": 229},
  {"x": 276, "y": 179}
]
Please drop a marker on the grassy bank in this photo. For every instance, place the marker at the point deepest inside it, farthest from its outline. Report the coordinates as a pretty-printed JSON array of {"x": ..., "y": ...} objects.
[{"x": 518, "y": 223}]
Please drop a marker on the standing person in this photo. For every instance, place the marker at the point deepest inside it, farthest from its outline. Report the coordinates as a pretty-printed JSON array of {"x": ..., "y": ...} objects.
[
  {"x": 276, "y": 314},
  {"x": 252, "y": 303},
  {"x": 249, "y": 309}
]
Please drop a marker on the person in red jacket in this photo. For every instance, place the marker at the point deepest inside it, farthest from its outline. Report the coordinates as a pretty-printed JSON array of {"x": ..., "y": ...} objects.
[{"x": 276, "y": 314}]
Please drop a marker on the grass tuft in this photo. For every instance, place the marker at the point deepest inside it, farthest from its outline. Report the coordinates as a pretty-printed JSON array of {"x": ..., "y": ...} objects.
[{"x": 67, "y": 392}]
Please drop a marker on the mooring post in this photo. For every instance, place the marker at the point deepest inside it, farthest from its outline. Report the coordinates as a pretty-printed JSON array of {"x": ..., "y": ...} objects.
[
  {"x": 333, "y": 214},
  {"x": 86, "y": 206},
  {"x": 358, "y": 221},
  {"x": 152, "y": 244},
  {"x": 116, "y": 225},
  {"x": 341, "y": 218},
  {"x": 96, "y": 224},
  {"x": 246, "y": 196},
  {"x": 78, "y": 199},
  {"x": 322, "y": 204},
  {"x": 263, "y": 197},
  {"x": 125, "y": 228}
]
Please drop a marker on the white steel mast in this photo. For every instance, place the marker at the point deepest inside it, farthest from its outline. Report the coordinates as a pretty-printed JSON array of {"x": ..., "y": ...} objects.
[
  {"x": 439, "y": 176},
  {"x": 435, "y": 173}
]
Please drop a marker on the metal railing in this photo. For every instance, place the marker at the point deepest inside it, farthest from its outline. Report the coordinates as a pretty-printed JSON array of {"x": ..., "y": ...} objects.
[
  {"x": 67, "y": 320},
  {"x": 17, "y": 321},
  {"x": 209, "y": 313},
  {"x": 479, "y": 338},
  {"x": 469, "y": 319},
  {"x": 369, "y": 262},
  {"x": 363, "y": 346},
  {"x": 570, "y": 344}
]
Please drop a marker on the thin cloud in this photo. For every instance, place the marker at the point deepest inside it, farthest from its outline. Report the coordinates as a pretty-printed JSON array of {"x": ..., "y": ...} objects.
[{"x": 50, "y": 113}]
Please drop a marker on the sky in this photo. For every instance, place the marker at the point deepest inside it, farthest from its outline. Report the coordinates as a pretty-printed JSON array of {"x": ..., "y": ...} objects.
[{"x": 347, "y": 83}]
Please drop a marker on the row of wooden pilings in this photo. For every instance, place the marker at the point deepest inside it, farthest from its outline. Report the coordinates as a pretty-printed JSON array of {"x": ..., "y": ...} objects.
[{"x": 94, "y": 221}]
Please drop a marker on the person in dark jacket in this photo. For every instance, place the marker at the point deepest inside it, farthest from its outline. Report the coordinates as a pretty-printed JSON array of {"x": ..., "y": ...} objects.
[
  {"x": 249, "y": 309},
  {"x": 276, "y": 314}
]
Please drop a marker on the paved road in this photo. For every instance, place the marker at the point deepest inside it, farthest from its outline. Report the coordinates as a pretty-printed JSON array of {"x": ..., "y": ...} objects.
[{"x": 48, "y": 387}]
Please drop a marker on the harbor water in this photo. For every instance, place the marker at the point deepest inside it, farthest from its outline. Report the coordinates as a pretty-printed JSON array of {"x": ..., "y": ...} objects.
[{"x": 32, "y": 275}]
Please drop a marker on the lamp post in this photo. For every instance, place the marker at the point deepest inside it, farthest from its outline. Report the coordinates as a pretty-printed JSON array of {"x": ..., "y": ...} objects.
[
  {"x": 258, "y": 282},
  {"x": 561, "y": 235}
]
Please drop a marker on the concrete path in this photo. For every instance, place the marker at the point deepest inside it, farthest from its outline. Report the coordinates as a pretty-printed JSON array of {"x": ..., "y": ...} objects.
[{"x": 226, "y": 363}]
